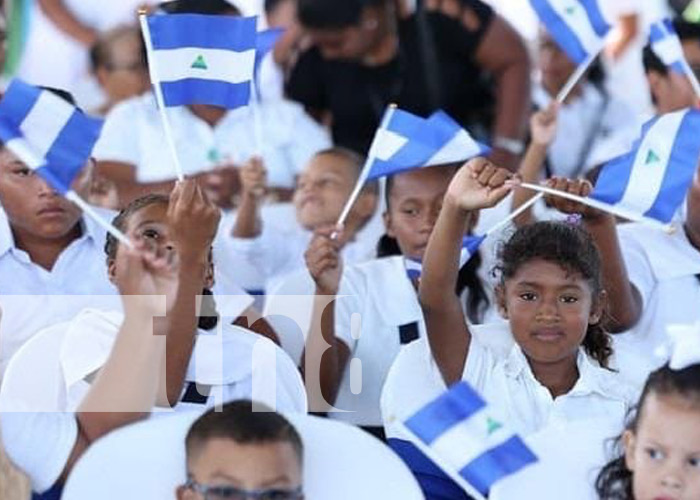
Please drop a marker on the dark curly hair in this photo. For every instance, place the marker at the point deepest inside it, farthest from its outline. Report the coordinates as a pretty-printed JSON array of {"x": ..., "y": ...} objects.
[
  {"x": 571, "y": 247},
  {"x": 614, "y": 481},
  {"x": 468, "y": 278},
  {"x": 209, "y": 317}
]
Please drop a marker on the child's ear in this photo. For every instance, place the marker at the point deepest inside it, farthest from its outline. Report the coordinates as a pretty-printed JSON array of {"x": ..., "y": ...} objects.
[
  {"x": 366, "y": 205},
  {"x": 629, "y": 443},
  {"x": 181, "y": 493},
  {"x": 388, "y": 226},
  {"x": 599, "y": 304},
  {"x": 209, "y": 276},
  {"x": 112, "y": 270},
  {"x": 501, "y": 301}
]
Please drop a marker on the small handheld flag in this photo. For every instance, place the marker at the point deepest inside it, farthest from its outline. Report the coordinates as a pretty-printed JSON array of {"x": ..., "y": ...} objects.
[
  {"x": 198, "y": 59},
  {"x": 470, "y": 245},
  {"x": 407, "y": 141},
  {"x": 52, "y": 137},
  {"x": 579, "y": 28},
  {"x": 461, "y": 433},
  {"x": 665, "y": 43},
  {"x": 201, "y": 59},
  {"x": 653, "y": 179}
]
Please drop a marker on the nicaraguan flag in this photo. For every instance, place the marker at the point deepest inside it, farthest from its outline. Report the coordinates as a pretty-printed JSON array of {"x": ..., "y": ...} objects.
[
  {"x": 578, "y": 26},
  {"x": 405, "y": 141},
  {"x": 202, "y": 59},
  {"x": 265, "y": 42},
  {"x": 665, "y": 43},
  {"x": 49, "y": 134},
  {"x": 470, "y": 245},
  {"x": 463, "y": 436},
  {"x": 653, "y": 179}
]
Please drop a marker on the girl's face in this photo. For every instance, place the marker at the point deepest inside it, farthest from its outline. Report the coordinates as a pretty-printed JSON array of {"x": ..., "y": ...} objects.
[
  {"x": 664, "y": 452},
  {"x": 414, "y": 205},
  {"x": 549, "y": 310},
  {"x": 150, "y": 225}
]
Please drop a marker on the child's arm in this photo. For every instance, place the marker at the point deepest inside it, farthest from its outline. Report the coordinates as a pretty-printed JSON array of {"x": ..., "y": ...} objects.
[
  {"x": 325, "y": 355},
  {"x": 253, "y": 182},
  {"x": 126, "y": 387},
  {"x": 65, "y": 21},
  {"x": 543, "y": 129},
  {"x": 193, "y": 220},
  {"x": 478, "y": 184},
  {"x": 624, "y": 301}
]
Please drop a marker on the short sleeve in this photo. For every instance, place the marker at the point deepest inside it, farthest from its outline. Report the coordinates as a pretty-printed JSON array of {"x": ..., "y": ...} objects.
[
  {"x": 305, "y": 83},
  {"x": 639, "y": 268},
  {"x": 39, "y": 444},
  {"x": 116, "y": 142}
]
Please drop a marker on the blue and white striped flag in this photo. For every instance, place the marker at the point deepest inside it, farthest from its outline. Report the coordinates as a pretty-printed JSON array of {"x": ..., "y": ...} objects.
[
  {"x": 406, "y": 141},
  {"x": 470, "y": 245},
  {"x": 654, "y": 177},
  {"x": 459, "y": 432},
  {"x": 49, "y": 134},
  {"x": 578, "y": 26},
  {"x": 203, "y": 59},
  {"x": 665, "y": 43}
]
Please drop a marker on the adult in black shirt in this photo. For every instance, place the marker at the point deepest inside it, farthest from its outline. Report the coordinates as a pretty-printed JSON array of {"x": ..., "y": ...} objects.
[{"x": 455, "y": 55}]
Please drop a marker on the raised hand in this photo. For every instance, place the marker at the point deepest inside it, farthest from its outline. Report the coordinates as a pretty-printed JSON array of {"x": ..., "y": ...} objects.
[
  {"x": 253, "y": 178},
  {"x": 192, "y": 219},
  {"x": 153, "y": 273},
  {"x": 580, "y": 187},
  {"x": 480, "y": 184},
  {"x": 543, "y": 125},
  {"x": 324, "y": 262}
]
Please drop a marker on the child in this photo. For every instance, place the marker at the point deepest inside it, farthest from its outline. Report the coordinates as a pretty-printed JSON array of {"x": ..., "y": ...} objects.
[
  {"x": 661, "y": 444},
  {"x": 322, "y": 190},
  {"x": 550, "y": 292},
  {"x": 51, "y": 257},
  {"x": 381, "y": 292},
  {"x": 236, "y": 452}
]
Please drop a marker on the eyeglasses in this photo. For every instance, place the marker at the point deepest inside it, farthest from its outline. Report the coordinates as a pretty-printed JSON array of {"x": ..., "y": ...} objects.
[{"x": 233, "y": 493}]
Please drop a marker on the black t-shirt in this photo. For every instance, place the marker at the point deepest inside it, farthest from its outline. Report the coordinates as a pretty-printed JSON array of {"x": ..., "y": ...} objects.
[{"x": 434, "y": 53}]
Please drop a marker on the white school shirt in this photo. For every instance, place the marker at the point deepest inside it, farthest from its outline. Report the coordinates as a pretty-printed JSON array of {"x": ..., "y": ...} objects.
[
  {"x": 133, "y": 134},
  {"x": 32, "y": 298},
  {"x": 615, "y": 132},
  {"x": 497, "y": 368},
  {"x": 664, "y": 269},
  {"x": 377, "y": 304},
  {"x": 237, "y": 364}
]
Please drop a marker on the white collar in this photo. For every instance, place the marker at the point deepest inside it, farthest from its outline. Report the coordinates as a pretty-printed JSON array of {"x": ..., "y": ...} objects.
[{"x": 592, "y": 379}]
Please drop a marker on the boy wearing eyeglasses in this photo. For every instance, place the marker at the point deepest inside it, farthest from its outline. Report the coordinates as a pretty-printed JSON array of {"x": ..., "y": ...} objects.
[{"x": 237, "y": 453}]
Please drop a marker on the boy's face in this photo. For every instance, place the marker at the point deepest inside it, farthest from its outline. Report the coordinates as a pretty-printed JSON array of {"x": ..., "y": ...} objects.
[
  {"x": 322, "y": 190},
  {"x": 553, "y": 63},
  {"x": 251, "y": 467},
  {"x": 125, "y": 75},
  {"x": 664, "y": 452},
  {"x": 33, "y": 208}
]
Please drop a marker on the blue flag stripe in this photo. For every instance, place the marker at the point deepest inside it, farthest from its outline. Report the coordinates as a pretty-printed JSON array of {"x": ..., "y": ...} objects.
[
  {"x": 448, "y": 410},
  {"x": 656, "y": 34},
  {"x": 681, "y": 169},
  {"x": 18, "y": 101},
  {"x": 598, "y": 22},
  {"x": 175, "y": 31},
  {"x": 560, "y": 31},
  {"x": 613, "y": 179},
  {"x": 215, "y": 93},
  {"x": 496, "y": 463}
]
